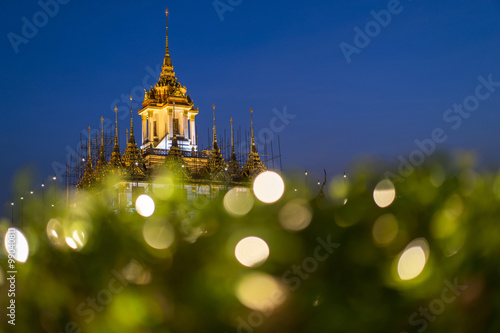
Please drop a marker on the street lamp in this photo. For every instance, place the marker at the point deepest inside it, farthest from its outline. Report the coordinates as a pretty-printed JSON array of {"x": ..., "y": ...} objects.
[
  {"x": 22, "y": 200},
  {"x": 12, "y": 204}
]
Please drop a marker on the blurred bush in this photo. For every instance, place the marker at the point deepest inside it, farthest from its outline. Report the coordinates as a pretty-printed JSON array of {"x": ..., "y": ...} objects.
[{"x": 426, "y": 261}]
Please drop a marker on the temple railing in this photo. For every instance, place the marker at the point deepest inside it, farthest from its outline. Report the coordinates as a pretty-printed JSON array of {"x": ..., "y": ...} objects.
[{"x": 164, "y": 152}]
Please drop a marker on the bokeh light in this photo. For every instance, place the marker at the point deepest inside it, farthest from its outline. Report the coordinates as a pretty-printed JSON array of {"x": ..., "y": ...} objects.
[
  {"x": 296, "y": 215},
  {"x": 251, "y": 251},
  {"x": 385, "y": 229},
  {"x": 145, "y": 205},
  {"x": 55, "y": 233},
  {"x": 338, "y": 189},
  {"x": 384, "y": 193},
  {"x": 446, "y": 222},
  {"x": 268, "y": 187},
  {"x": 413, "y": 259},
  {"x": 16, "y": 244},
  {"x": 238, "y": 201},
  {"x": 71, "y": 243},
  {"x": 136, "y": 273},
  {"x": 158, "y": 234},
  {"x": 260, "y": 292}
]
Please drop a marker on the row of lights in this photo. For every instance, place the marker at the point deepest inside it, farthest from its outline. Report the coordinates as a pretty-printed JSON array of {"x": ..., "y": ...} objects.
[{"x": 54, "y": 178}]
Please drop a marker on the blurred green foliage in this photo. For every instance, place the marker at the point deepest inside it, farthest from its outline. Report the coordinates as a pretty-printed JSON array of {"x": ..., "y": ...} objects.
[{"x": 114, "y": 281}]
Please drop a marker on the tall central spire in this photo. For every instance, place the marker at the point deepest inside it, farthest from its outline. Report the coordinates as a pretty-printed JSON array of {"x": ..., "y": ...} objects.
[{"x": 167, "y": 62}]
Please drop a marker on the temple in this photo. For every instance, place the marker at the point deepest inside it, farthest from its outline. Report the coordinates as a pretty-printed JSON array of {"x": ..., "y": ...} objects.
[{"x": 168, "y": 145}]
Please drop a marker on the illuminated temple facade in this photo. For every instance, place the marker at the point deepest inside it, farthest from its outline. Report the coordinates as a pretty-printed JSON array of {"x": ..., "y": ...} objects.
[{"x": 168, "y": 146}]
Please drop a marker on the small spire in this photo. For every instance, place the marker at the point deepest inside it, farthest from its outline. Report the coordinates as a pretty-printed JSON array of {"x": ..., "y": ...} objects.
[
  {"x": 116, "y": 126},
  {"x": 232, "y": 136},
  {"x": 131, "y": 138},
  {"x": 89, "y": 156},
  {"x": 102, "y": 158},
  {"x": 102, "y": 132},
  {"x": 215, "y": 134},
  {"x": 251, "y": 126},
  {"x": 234, "y": 167}
]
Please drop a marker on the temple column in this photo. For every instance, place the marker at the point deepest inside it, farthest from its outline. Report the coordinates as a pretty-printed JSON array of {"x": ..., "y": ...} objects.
[
  {"x": 150, "y": 126},
  {"x": 155, "y": 126},
  {"x": 185, "y": 125},
  {"x": 144, "y": 127},
  {"x": 192, "y": 130},
  {"x": 170, "y": 124}
]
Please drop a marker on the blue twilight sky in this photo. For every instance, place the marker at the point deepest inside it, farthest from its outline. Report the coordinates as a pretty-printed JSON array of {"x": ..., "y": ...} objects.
[{"x": 269, "y": 55}]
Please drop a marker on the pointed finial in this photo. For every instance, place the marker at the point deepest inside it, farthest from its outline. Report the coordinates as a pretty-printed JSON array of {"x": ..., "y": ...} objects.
[
  {"x": 167, "y": 61},
  {"x": 215, "y": 134},
  {"x": 89, "y": 158},
  {"x": 102, "y": 131},
  {"x": 131, "y": 119},
  {"x": 251, "y": 123},
  {"x": 213, "y": 108},
  {"x": 116, "y": 126}
]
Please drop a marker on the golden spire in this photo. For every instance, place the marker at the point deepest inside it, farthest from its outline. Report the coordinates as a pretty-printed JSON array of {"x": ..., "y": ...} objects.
[
  {"x": 234, "y": 167},
  {"x": 253, "y": 164},
  {"x": 101, "y": 163},
  {"x": 251, "y": 126},
  {"x": 87, "y": 177},
  {"x": 102, "y": 131},
  {"x": 131, "y": 138},
  {"x": 116, "y": 155},
  {"x": 216, "y": 166},
  {"x": 232, "y": 136},
  {"x": 167, "y": 61},
  {"x": 89, "y": 154},
  {"x": 102, "y": 158},
  {"x": 215, "y": 134},
  {"x": 116, "y": 126}
]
